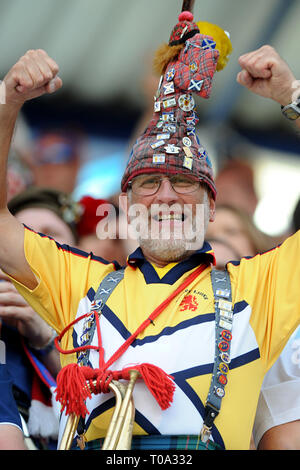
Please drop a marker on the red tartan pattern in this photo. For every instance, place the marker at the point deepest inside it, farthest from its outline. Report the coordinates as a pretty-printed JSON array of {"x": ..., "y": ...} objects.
[{"x": 204, "y": 62}]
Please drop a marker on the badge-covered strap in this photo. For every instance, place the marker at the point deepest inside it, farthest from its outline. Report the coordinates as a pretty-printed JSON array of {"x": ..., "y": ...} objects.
[
  {"x": 224, "y": 316},
  {"x": 106, "y": 287}
]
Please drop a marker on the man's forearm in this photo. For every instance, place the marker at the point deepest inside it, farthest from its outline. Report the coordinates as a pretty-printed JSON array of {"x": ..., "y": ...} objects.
[{"x": 8, "y": 117}]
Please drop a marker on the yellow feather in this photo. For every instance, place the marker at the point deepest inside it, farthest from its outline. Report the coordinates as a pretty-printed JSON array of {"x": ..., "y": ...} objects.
[{"x": 223, "y": 43}]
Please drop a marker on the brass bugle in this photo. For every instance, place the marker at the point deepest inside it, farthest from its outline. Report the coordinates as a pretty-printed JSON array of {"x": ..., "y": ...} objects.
[
  {"x": 119, "y": 433},
  {"x": 69, "y": 432},
  {"x": 121, "y": 436}
]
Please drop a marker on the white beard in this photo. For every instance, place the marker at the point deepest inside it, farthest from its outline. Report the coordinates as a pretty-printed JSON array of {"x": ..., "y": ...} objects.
[{"x": 176, "y": 243}]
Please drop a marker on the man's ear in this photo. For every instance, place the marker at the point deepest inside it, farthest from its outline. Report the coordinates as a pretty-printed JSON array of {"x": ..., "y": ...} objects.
[{"x": 212, "y": 209}]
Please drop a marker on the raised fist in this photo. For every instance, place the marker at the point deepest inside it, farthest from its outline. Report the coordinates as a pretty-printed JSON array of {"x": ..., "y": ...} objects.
[
  {"x": 33, "y": 75},
  {"x": 265, "y": 73}
]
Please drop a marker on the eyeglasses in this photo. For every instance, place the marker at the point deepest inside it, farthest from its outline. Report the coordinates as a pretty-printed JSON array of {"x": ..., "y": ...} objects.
[{"x": 149, "y": 185}]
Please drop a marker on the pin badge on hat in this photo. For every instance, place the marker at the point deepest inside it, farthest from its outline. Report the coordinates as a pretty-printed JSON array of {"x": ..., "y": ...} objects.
[
  {"x": 171, "y": 128},
  {"x": 195, "y": 85},
  {"x": 163, "y": 136},
  {"x": 168, "y": 88},
  {"x": 188, "y": 152},
  {"x": 168, "y": 117},
  {"x": 157, "y": 106},
  {"x": 193, "y": 67},
  {"x": 186, "y": 102},
  {"x": 188, "y": 163},
  {"x": 186, "y": 142},
  {"x": 171, "y": 148},
  {"x": 169, "y": 103},
  {"x": 159, "y": 158},
  {"x": 170, "y": 74},
  {"x": 191, "y": 131},
  {"x": 157, "y": 144}
]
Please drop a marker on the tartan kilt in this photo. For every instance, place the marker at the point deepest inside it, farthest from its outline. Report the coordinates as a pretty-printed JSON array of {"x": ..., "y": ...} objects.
[{"x": 155, "y": 442}]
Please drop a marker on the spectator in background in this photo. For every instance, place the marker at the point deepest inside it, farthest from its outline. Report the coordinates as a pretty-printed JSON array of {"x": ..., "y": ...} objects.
[
  {"x": 235, "y": 228},
  {"x": 11, "y": 433},
  {"x": 56, "y": 160},
  {"x": 32, "y": 360},
  {"x": 235, "y": 183},
  {"x": 102, "y": 241}
]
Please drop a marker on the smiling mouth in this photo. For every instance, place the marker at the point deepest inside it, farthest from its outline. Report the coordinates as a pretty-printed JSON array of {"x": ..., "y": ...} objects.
[{"x": 169, "y": 217}]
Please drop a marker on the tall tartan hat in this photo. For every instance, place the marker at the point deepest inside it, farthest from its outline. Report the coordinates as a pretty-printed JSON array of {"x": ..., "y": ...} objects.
[{"x": 186, "y": 66}]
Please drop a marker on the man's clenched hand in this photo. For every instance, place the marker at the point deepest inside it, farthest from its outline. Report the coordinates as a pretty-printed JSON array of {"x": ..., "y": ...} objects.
[
  {"x": 32, "y": 76},
  {"x": 265, "y": 73}
]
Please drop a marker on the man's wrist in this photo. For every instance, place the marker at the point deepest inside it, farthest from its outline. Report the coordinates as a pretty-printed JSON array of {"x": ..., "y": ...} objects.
[
  {"x": 47, "y": 345},
  {"x": 292, "y": 94}
]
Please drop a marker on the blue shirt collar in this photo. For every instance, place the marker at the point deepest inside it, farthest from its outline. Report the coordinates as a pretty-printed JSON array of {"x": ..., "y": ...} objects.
[{"x": 206, "y": 253}]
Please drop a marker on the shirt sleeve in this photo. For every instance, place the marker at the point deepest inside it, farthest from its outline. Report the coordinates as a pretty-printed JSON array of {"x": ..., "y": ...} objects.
[
  {"x": 64, "y": 276},
  {"x": 270, "y": 284}
]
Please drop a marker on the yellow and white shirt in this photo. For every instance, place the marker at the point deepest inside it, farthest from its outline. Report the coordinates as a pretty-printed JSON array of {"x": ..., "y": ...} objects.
[{"x": 265, "y": 293}]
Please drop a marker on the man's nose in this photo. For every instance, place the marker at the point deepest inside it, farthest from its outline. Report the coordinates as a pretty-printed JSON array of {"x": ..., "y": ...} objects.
[{"x": 166, "y": 192}]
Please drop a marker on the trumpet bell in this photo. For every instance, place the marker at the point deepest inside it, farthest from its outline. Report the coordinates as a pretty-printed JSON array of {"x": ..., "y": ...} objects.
[{"x": 119, "y": 433}]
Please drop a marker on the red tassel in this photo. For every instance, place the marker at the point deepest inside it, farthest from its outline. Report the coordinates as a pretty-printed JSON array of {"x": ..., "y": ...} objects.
[
  {"x": 159, "y": 383},
  {"x": 71, "y": 389}
]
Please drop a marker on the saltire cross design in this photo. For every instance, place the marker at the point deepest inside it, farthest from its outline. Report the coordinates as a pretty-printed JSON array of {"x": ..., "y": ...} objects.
[{"x": 195, "y": 85}]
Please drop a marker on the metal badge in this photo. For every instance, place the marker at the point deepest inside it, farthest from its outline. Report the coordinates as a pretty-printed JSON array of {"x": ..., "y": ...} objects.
[
  {"x": 223, "y": 367},
  {"x": 219, "y": 391},
  {"x": 170, "y": 103},
  {"x": 191, "y": 121},
  {"x": 163, "y": 136},
  {"x": 168, "y": 88},
  {"x": 225, "y": 334},
  {"x": 208, "y": 44},
  {"x": 222, "y": 379},
  {"x": 223, "y": 346},
  {"x": 157, "y": 144},
  {"x": 225, "y": 357},
  {"x": 226, "y": 314},
  {"x": 187, "y": 142},
  {"x": 225, "y": 305},
  {"x": 168, "y": 117},
  {"x": 193, "y": 66},
  {"x": 219, "y": 292},
  {"x": 188, "y": 152},
  {"x": 171, "y": 148},
  {"x": 225, "y": 324},
  {"x": 186, "y": 102},
  {"x": 157, "y": 106},
  {"x": 188, "y": 163},
  {"x": 170, "y": 74},
  {"x": 191, "y": 131},
  {"x": 196, "y": 85},
  {"x": 159, "y": 158},
  {"x": 170, "y": 128}
]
